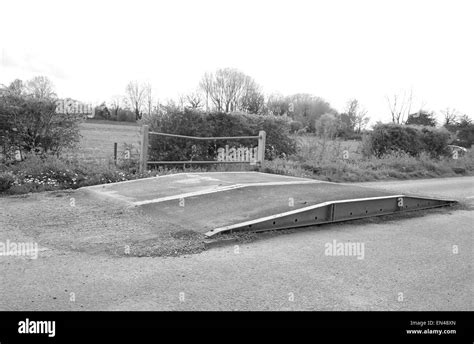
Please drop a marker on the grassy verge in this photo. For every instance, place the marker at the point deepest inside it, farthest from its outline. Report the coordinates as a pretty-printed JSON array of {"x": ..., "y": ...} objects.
[{"x": 343, "y": 161}]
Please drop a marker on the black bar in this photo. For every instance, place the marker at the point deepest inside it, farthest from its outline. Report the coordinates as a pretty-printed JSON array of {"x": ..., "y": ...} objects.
[
  {"x": 115, "y": 152},
  {"x": 329, "y": 325}
]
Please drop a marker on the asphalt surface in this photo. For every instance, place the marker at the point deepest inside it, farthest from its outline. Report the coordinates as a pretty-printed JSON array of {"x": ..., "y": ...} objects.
[
  {"x": 414, "y": 263},
  {"x": 175, "y": 186},
  {"x": 209, "y": 211},
  {"x": 206, "y": 201},
  {"x": 460, "y": 188}
]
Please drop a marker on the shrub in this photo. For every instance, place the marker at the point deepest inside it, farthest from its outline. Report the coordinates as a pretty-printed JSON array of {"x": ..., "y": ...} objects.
[
  {"x": 435, "y": 141},
  {"x": 125, "y": 116},
  {"x": 40, "y": 173},
  {"x": 295, "y": 126},
  {"x": 102, "y": 112},
  {"x": 278, "y": 141},
  {"x": 35, "y": 126},
  {"x": 6, "y": 180},
  {"x": 466, "y": 136},
  {"x": 393, "y": 137},
  {"x": 413, "y": 140}
]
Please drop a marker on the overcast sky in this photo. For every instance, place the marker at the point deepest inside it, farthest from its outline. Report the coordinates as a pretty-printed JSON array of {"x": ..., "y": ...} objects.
[{"x": 333, "y": 49}]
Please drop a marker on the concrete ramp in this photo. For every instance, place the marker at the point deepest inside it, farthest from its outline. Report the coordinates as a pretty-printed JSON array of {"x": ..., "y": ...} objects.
[{"x": 214, "y": 203}]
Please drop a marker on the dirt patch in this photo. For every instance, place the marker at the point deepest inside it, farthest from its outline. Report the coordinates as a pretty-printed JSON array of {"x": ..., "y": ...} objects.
[{"x": 74, "y": 221}]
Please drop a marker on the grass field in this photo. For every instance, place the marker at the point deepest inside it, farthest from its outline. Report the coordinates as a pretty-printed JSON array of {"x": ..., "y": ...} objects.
[{"x": 98, "y": 138}]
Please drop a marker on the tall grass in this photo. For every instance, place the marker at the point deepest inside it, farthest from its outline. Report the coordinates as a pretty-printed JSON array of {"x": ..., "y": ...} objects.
[{"x": 346, "y": 161}]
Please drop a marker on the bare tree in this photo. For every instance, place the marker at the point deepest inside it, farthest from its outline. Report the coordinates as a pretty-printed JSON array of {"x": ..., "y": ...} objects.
[
  {"x": 115, "y": 105},
  {"x": 355, "y": 116},
  {"x": 327, "y": 126},
  {"x": 361, "y": 120},
  {"x": 40, "y": 87},
  {"x": 352, "y": 106},
  {"x": 251, "y": 99},
  {"x": 194, "y": 100},
  {"x": 400, "y": 106},
  {"x": 464, "y": 120},
  {"x": 279, "y": 105},
  {"x": 126, "y": 104},
  {"x": 17, "y": 87},
  {"x": 233, "y": 83},
  {"x": 225, "y": 88},
  {"x": 148, "y": 99},
  {"x": 181, "y": 102},
  {"x": 136, "y": 94},
  {"x": 207, "y": 85},
  {"x": 450, "y": 116},
  {"x": 350, "y": 114}
]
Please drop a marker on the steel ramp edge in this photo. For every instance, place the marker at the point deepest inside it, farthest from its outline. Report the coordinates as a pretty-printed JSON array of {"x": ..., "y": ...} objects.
[{"x": 335, "y": 211}]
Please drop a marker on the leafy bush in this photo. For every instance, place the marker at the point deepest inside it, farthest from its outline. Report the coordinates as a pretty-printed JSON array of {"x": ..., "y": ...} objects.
[
  {"x": 102, "y": 112},
  {"x": 33, "y": 124},
  {"x": 295, "y": 126},
  {"x": 278, "y": 140},
  {"x": 462, "y": 130},
  {"x": 465, "y": 136},
  {"x": 125, "y": 116},
  {"x": 435, "y": 141},
  {"x": 6, "y": 180},
  {"x": 422, "y": 118},
  {"x": 386, "y": 138}
]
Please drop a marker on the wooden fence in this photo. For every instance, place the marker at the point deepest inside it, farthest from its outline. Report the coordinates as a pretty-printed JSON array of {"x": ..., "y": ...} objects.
[{"x": 145, "y": 133}]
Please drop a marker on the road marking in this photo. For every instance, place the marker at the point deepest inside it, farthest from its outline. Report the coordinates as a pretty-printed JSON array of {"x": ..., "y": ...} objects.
[
  {"x": 223, "y": 188},
  {"x": 189, "y": 194},
  {"x": 470, "y": 197}
]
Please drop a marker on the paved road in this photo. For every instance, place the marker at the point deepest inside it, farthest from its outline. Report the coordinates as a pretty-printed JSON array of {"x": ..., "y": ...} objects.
[
  {"x": 460, "y": 188},
  {"x": 417, "y": 263}
]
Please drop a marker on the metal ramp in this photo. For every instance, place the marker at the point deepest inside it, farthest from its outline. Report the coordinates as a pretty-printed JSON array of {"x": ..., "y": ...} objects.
[{"x": 216, "y": 203}]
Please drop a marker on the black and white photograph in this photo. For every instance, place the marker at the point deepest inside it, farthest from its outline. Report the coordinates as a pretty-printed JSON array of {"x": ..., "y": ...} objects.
[{"x": 233, "y": 162}]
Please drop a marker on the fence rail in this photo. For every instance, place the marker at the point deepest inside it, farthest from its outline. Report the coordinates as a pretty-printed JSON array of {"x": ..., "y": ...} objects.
[
  {"x": 166, "y": 162},
  {"x": 205, "y": 138}
]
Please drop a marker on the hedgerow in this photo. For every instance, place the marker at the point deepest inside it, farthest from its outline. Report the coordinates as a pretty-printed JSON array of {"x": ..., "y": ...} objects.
[
  {"x": 196, "y": 123},
  {"x": 414, "y": 140}
]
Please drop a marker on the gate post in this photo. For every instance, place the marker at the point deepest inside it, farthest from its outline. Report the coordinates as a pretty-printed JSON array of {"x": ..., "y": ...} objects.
[
  {"x": 261, "y": 147},
  {"x": 144, "y": 149}
]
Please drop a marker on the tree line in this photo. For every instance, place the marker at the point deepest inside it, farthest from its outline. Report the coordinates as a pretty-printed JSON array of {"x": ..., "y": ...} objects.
[{"x": 229, "y": 90}]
